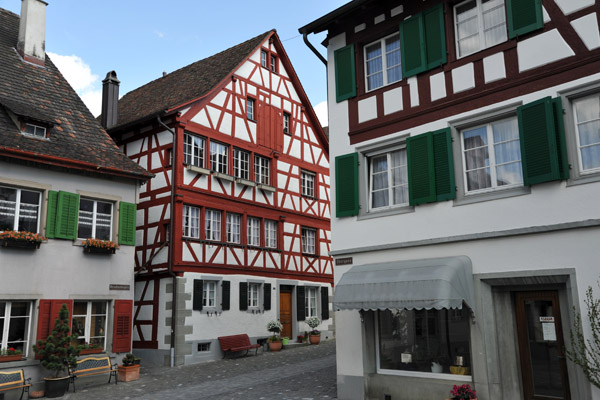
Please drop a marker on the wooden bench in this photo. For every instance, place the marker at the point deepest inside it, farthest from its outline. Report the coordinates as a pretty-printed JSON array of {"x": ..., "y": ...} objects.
[
  {"x": 93, "y": 366},
  {"x": 10, "y": 380},
  {"x": 233, "y": 343}
]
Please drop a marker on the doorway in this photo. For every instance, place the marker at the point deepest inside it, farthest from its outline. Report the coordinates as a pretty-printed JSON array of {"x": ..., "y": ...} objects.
[
  {"x": 285, "y": 311},
  {"x": 541, "y": 346}
]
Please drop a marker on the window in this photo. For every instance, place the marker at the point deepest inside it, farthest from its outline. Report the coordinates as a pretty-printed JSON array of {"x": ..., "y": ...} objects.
[
  {"x": 233, "y": 227},
  {"x": 241, "y": 164},
  {"x": 19, "y": 209},
  {"x": 310, "y": 302},
  {"x": 15, "y": 317},
  {"x": 209, "y": 294},
  {"x": 308, "y": 183},
  {"x": 212, "y": 225},
  {"x": 264, "y": 59},
  {"x": 203, "y": 347},
  {"x": 479, "y": 24},
  {"x": 250, "y": 109},
  {"x": 587, "y": 123},
  {"x": 411, "y": 340},
  {"x": 89, "y": 322},
  {"x": 191, "y": 222},
  {"x": 270, "y": 233},
  {"x": 492, "y": 156},
  {"x": 308, "y": 241},
  {"x": 253, "y": 231},
  {"x": 95, "y": 219},
  {"x": 382, "y": 62},
  {"x": 388, "y": 179},
  {"x": 35, "y": 130},
  {"x": 261, "y": 170},
  {"x": 286, "y": 123},
  {"x": 218, "y": 157},
  {"x": 193, "y": 150},
  {"x": 273, "y": 65},
  {"x": 253, "y": 295}
]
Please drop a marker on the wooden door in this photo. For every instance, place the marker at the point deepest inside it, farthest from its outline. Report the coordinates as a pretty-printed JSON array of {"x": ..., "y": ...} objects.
[
  {"x": 541, "y": 346},
  {"x": 285, "y": 313}
]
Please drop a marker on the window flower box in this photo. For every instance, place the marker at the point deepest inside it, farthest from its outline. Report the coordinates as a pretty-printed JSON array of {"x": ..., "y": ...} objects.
[
  {"x": 10, "y": 354},
  {"x": 21, "y": 239},
  {"x": 91, "y": 351},
  {"x": 97, "y": 246},
  {"x": 15, "y": 357}
]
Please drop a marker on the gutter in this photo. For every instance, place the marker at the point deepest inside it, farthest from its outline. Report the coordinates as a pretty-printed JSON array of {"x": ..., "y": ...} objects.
[
  {"x": 312, "y": 48},
  {"x": 171, "y": 235}
]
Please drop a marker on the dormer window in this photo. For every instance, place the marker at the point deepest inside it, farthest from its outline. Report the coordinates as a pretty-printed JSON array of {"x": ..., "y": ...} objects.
[{"x": 34, "y": 130}]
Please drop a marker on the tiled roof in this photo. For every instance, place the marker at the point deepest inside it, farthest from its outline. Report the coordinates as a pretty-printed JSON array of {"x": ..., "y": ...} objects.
[
  {"x": 188, "y": 83},
  {"x": 42, "y": 94}
]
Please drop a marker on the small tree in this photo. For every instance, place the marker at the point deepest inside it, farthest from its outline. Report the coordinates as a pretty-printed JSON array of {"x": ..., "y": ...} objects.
[
  {"x": 586, "y": 352},
  {"x": 57, "y": 352}
]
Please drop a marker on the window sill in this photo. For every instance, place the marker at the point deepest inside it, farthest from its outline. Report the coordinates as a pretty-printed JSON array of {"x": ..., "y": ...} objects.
[
  {"x": 245, "y": 182},
  {"x": 426, "y": 375},
  {"x": 199, "y": 170},
  {"x": 386, "y": 212},
  {"x": 583, "y": 179},
  {"x": 267, "y": 188},
  {"x": 309, "y": 197},
  {"x": 491, "y": 195},
  {"x": 223, "y": 176}
]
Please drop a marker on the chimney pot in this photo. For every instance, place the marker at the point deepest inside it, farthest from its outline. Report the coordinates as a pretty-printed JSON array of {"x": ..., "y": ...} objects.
[
  {"x": 110, "y": 100},
  {"x": 32, "y": 31}
]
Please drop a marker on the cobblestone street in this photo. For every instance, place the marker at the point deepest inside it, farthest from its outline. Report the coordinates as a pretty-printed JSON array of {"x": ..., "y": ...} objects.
[{"x": 305, "y": 372}]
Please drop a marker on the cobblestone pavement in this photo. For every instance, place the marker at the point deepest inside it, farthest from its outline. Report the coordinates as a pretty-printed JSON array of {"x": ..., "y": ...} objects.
[{"x": 305, "y": 372}]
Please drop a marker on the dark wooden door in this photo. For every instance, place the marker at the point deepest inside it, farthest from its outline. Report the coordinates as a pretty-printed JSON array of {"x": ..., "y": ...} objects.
[
  {"x": 285, "y": 313},
  {"x": 541, "y": 346}
]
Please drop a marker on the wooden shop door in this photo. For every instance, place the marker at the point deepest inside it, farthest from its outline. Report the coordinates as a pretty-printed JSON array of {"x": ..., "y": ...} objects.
[
  {"x": 541, "y": 347},
  {"x": 285, "y": 313}
]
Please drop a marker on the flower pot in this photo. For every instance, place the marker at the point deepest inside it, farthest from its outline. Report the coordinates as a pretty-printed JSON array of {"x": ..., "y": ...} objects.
[
  {"x": 14, "y": 357},
  {"x": 128, "y": 373},
  {"x": 20, "y": 244},
  {"x": 98, "y": 250},
  {"x": 314, "y": 339},
  {"x": 285, "y": 341},
  {"x": 91, "y": 351},
  {"x": 56, "y": 387},
  {"x": 275, "y": 346}
]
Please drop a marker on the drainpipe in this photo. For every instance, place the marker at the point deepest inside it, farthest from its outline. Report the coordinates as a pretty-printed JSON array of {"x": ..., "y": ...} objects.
[
  {"x": 171, "y": 236},
  {"x": 310, "y": 46}
]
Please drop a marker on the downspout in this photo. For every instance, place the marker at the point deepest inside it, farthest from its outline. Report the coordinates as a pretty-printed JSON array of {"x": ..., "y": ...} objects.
[
  {"x": 312, "y": 48},
  {"x": 171, "y": 235}
]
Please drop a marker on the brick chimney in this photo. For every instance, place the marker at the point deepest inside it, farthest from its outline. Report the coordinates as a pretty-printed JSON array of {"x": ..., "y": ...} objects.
[
  {"x": 110, "y": 100},
  {"x": 32, "y": 31}
]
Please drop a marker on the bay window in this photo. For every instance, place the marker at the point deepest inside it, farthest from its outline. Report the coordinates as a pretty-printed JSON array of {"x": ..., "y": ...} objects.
[
  {"x": 89, "y": 322},
  {"x": 19, "y": 209}
]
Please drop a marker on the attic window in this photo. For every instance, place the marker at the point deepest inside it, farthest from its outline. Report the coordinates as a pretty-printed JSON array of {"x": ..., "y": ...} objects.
[
  {"x": 34, "y": 130},
  {"x": 268, "y": 60}
]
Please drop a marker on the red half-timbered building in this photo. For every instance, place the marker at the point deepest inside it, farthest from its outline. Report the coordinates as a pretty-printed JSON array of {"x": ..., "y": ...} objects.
[{"x": 233, "y": 231}]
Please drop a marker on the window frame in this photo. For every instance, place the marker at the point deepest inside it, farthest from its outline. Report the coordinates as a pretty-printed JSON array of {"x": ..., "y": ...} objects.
[
  {"x": 271, "y": 239},
  {"x": 43, "y": 129},
  {"x": 239, "y": 163},
  {"x": 287, "y": 123},
  {"x": 189, "y": 159},
  {"x": 217, "y": 165},
  {"x": 384, "y": 68},
  {"x": 187, "y": 216},
  {"x": 95, "y": 216},
  {"x": 251, "y": 109},
  {"x": 305, "y": 188},
  {"x": 87, "y": 338},
  {"x": 206, "y": 283},
  {"x": 254, "y": 296},
  {"x": 262, "y": 172},
  {"x": 232, "y": 234},
  {"x": 578, "y": 147},
  {"x": 213, "y": 220},
  {"x": 311, "y": 305},
  {"x": 249, "y": 233},
  {"x": 4, "y": 332},
  {"x": 480, "y": 28},
  {"x": 305, "y": 239},
  {"x": 264, "y": 58},
  {"x": 273, "y": 63},
  {"x": 369, "y": 158},
  {"x": 18, "y": 206}
]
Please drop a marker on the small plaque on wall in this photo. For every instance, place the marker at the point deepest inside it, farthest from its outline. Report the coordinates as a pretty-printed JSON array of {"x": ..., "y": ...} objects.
[
  {"x": 343, "y": 261},
  {"x": 118, "y": 287}
]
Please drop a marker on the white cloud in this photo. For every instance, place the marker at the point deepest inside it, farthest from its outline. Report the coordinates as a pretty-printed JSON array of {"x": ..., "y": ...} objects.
[
  {"x": 80, "y": 77},
  {"x": 321, "y": 111},
  {"x": 159, "y": 34}
]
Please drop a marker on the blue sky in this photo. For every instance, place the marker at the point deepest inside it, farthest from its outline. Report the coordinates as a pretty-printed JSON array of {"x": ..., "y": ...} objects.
[{"x": 140, "y": 39}]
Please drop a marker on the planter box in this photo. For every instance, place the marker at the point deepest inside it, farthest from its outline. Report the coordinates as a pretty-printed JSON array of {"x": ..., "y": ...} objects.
[
  {"x": 20, "y": 244},
  {"x": 16, "y": 357},
  {"x": 128, "y": 373},
  {"x": 98, "y": 250},
  {"x": 91, "y": 351}
]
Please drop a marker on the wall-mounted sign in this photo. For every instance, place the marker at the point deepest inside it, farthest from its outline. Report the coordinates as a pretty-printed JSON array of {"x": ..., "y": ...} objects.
[
  {"x": 118, "y": 287},
  {"x": 546, "y": 319},
  {"x": 343, "y": 261}
]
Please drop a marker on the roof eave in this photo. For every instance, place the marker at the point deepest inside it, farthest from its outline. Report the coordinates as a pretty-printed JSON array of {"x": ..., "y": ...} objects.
[{"x": 321, "y": 24}]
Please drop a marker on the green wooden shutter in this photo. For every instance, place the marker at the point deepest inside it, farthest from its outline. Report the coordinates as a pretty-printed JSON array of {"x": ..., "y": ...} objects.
[
  {"x": 559, "y": 129},
  {"x": 67, "y": 213},
  {"x": 345, "y": 73},
  {"x": 197, "y": 294},
  {"x": 51, "y": 214},
  {"x": 524, "y": 16},
  {"x": 539, "y": 155},
  {"x": 225, "y": 295},
  {"x": 127, "y": 214},
  {"x": 346, "y": 185},
  {"x": 300, "y": 303},
  {"x": 243, "y": 296},
  {"x": 421, "y": 170},
  {"x": 435, "y": 36},
  {"x": 443, "y": 164},
  {"x": 267, "y": 296},
  {"x": 412, "y": 46}
]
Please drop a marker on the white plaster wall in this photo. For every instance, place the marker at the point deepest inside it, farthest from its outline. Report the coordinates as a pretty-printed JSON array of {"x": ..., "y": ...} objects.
[
  {"x": 542, "y": 49},
  {"x": 587, "y": 28}
]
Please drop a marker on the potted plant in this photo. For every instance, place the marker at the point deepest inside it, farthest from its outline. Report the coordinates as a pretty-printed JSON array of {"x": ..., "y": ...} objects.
[
  {"x": 98, "y": 246},
  {"x": 463, "y": 392},
  {"x": 10, "y": 354},
  {"x": 300, "y": 338},
  {"x": 58, "y": 354},
  {"x": 314, "y": 335},
  {"x": 275, "y": 328},
  {"x": 93, "y": 348},
  {"x": 130, "y": 370},
  {"x": 21, "y": 239}
]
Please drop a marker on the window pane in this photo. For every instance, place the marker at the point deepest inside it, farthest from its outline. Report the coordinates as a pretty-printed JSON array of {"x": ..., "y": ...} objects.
[
  {"x": 380, "y": 199},
  {"x": 97, "y": 325},
  {"x": 477, "y": 158},
  {"x": 29, "y": 211},
  {"x": 475, "y": 138},
  {"x": 589, "y": 133},
  {"x": 590, "y": 157},
  {"x": 98, "y": 307},
  {"x": 16, "y": 329},
  {"x": 8, "y": 203},
  {"x": 380, "y": 180},
  {"x": 587, "y": 109},
  {"x": 19, "y": 309},
  {"x": 505, "y": 130},
  {"x": 479, "y": 179},
  {"x": 509, "y": 174}
]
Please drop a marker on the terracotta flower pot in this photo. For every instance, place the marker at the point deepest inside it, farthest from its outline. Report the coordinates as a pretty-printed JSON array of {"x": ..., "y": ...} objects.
[
  {"x": 314, "y": 339},
  {"x": 128, "y": 373},
  {"x": 275, "y": 346},
  {"x": 15, "y": 357}
]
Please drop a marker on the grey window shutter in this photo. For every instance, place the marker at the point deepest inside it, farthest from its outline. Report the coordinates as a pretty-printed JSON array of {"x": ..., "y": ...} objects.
[
  {"x": 197, "y": 295},
  {"x": 300, "y": 303},
  {"x": 243, "y": 296},
  {"x": 225, "y": 295},
  {"x": 324, "y": 303},
  {"x": 267, "y": 296}
]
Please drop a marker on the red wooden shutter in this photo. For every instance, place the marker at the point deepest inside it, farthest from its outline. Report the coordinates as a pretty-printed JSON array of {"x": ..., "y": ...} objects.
[
  {"x": 47, "y": 315},
  {"x": 122, "y": 326}
]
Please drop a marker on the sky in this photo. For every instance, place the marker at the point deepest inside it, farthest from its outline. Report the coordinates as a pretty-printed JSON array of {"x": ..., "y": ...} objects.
[{"x": 140, "y": 39}]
